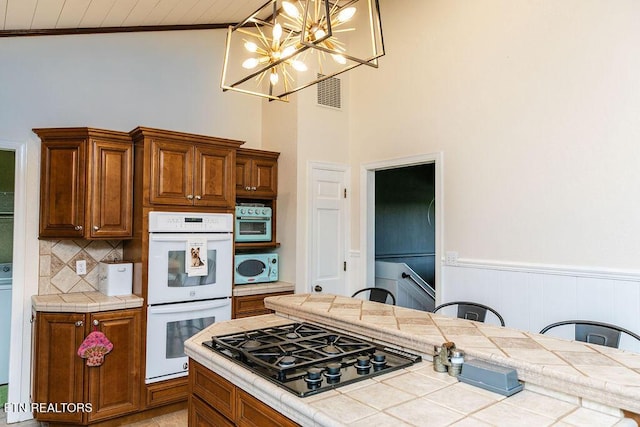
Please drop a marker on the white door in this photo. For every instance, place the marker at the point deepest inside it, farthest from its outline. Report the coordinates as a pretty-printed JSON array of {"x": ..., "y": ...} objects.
[{"x": 328, "y": 229}]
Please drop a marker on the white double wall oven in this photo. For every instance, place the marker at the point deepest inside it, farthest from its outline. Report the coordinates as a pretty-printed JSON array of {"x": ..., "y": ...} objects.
[{"x": 189, "y": 284}]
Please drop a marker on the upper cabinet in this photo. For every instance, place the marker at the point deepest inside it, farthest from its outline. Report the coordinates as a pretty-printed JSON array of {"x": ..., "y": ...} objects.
[
  {"x": 256, "y": 174},
  {"x": 180, "y": 169},
  {"x": 86, "y": 183}
]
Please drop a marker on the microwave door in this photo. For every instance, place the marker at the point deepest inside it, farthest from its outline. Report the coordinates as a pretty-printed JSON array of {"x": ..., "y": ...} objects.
[{"x": 169, "y": 268}]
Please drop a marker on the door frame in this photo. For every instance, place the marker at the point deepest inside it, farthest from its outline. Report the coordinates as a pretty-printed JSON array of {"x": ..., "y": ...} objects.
[
  {"x": 367, "y": 211},
  {"x": 336, "y": 167},
  {"x": 20, "y": 347}
]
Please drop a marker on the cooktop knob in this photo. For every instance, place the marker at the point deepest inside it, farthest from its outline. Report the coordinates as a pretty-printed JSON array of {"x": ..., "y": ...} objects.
[
  {"x": 314, "y": 374},
  {"x": 362, "y": 362},
  {"x": 333, "y": 369}
]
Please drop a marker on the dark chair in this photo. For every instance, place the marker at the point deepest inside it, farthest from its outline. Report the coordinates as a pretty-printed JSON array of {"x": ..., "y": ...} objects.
[
  {"x": 595, "y": 332},
  {"x": 471, "y": 310},
  {"x": 377, "y": 295}
]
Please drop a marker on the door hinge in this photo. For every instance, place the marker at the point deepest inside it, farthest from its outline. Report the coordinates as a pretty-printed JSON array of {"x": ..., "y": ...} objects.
[
  {"x": 345, "y": 193},
  {"x": 344, "y": 266}
]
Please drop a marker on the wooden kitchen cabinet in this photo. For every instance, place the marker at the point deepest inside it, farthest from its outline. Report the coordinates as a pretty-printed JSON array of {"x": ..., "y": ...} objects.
[
  {"x": 253, "y": 305},
  {"x": 61, "y": 376},
  {"x": 86, "y": 183},
  {"x": 256, "y": 174},
  {"x": 179, "y": 169},
  {"x": 214, "y": 401}
]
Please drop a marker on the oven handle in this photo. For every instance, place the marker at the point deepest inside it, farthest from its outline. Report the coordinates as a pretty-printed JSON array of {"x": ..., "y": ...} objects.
[
  {"x": 254, "y": 218},
  {"x": 178, "y": 238},
  {"x": 188, "y": 307}
]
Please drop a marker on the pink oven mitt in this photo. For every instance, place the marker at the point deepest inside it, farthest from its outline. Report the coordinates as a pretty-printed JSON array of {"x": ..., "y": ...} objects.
[{"x": 94, "y": 347}]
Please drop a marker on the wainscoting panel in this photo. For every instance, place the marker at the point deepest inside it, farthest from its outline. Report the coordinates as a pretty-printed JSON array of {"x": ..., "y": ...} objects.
[{"x": 529, "y": 297}]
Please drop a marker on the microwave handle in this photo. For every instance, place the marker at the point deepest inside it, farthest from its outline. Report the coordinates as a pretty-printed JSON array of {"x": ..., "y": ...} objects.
[
  {"x": 191, "y": 307},
  {"x": 178, "y": 238}
]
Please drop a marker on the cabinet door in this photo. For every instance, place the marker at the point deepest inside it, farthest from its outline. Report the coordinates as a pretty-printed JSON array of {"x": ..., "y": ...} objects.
[
  {"x": 243, "y": 176},
  {"x": 114, "y": 387},
  {"x": 213, "y": 177},
  {"x": 110, "y": 189},
  {"x": 62, "y": 189},
  {"x": 253, "y": 413},
  {"x": 58, "y": 373},
  {"x": 264, "y": 178},
  {"x": 172, "y": 172}
]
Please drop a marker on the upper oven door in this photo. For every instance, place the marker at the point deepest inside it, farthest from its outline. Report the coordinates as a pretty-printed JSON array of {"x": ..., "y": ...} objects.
[{"x": 189, "y": 267}]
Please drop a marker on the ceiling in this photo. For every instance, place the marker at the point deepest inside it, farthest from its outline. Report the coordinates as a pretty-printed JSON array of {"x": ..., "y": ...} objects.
[{"x": 32, "y": 17}]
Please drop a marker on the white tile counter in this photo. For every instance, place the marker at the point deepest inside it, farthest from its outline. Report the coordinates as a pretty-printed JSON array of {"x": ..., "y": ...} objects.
[
  {"x": 415, "y": 396},
  {"x": 84, "y": 302}
]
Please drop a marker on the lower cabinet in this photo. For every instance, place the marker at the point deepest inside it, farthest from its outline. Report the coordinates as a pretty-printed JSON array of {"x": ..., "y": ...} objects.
[
  {"x": 68, "y": 391},
  {"x": 253, "y": 305},
  {"x": 214, "y": 401}
]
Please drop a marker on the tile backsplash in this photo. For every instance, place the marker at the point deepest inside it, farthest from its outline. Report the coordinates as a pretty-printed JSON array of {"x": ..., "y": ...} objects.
[{"x": 58, "y": 264}]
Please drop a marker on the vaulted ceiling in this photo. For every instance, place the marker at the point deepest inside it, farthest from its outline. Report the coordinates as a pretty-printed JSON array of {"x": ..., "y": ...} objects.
[{"x": 30, "y": 17}]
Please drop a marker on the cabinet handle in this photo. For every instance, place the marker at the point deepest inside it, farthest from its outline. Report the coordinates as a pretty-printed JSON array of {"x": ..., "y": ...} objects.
[
  {"x": 79, "y": 323},
  {"x": 78, "y": 228},
  {"x": 190, "y": 196},
  {"x": 198, "y": 197},
  {"x": 95, "y": 322},
  {"x": 247, "y": 188},
  {"x": 253, "y": 188},
  {"x": 96, "y": 228}
]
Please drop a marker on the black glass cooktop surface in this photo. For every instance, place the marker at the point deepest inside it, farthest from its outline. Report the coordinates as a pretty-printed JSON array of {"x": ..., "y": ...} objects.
[{"x": 308, "y": 359}]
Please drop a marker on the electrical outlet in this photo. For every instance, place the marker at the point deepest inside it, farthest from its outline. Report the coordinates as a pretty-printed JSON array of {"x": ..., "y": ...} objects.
[
  {"x": 451, "y": 257},
  {"x": 81, "y": 267}
]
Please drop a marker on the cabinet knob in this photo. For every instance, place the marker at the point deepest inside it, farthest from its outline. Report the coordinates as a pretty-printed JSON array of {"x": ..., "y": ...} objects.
[
  {"x": 247, "y": 188},
  {"x": 95, "y": 322},
  {"x": 78, "y": 228},
  {"x": 190, "y": 196},
  {"x": 96, "y": 228},
  {"x": 198, "y": 197},
  {"x": 253, "y": 188},
  {"x": 79, "y": 323}
]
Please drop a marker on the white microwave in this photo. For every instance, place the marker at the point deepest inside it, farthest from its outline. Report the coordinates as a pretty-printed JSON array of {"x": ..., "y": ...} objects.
[{"x": 255, "y": 268}]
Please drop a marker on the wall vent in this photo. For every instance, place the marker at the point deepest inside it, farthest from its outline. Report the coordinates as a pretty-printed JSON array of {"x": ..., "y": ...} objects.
[{"x": 330, "y": 92}]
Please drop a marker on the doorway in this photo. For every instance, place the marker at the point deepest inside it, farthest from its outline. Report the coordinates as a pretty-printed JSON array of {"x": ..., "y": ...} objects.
[
  {"x": 401, "y": 224},
  {"x": 7, "y": 187}
]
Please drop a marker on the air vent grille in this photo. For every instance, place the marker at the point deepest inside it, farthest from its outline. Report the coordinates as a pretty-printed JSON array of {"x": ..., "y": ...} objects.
[{"x": 329, "y": 92}]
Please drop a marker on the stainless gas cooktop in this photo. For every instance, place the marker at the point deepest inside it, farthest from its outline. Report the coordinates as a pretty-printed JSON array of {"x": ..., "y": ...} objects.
[{"x": 308, "y": 359}]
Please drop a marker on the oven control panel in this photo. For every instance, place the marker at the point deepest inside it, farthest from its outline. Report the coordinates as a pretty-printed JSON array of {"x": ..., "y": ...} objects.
[{"x": 177, "y": 222}]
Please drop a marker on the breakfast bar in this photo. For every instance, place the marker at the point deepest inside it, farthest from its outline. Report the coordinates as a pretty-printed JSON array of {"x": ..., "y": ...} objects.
[{"x": 565, "y": 382}]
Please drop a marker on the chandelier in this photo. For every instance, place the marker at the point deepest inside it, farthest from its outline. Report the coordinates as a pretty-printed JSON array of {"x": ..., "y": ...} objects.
[{"x": 286, "y": 46}]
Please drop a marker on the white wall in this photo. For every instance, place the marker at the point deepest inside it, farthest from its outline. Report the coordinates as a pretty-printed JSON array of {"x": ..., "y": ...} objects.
[{"x": 535, "y": 107}]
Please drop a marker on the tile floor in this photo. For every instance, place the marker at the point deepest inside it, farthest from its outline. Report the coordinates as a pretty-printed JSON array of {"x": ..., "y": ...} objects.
[{"x": 174, "y": 419}]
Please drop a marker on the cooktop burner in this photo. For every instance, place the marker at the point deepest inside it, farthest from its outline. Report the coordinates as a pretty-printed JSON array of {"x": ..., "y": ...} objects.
[{"x": 307, "y": 359}]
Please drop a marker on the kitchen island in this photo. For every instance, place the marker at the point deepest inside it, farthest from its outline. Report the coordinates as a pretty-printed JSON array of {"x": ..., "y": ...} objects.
[{"x": 556, "y": 391}]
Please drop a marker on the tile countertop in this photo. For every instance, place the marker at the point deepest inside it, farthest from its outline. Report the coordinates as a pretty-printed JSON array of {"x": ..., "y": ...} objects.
[
  {"x": 84, "y": 302},
  {"x": 262, "y": 288},
  {"x": 603, "y": 375},
  {"x": 414, "y": 396}
]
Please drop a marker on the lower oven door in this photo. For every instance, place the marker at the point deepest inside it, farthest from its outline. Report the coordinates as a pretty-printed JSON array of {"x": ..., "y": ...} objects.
[{"x": 169, "y": 326}]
